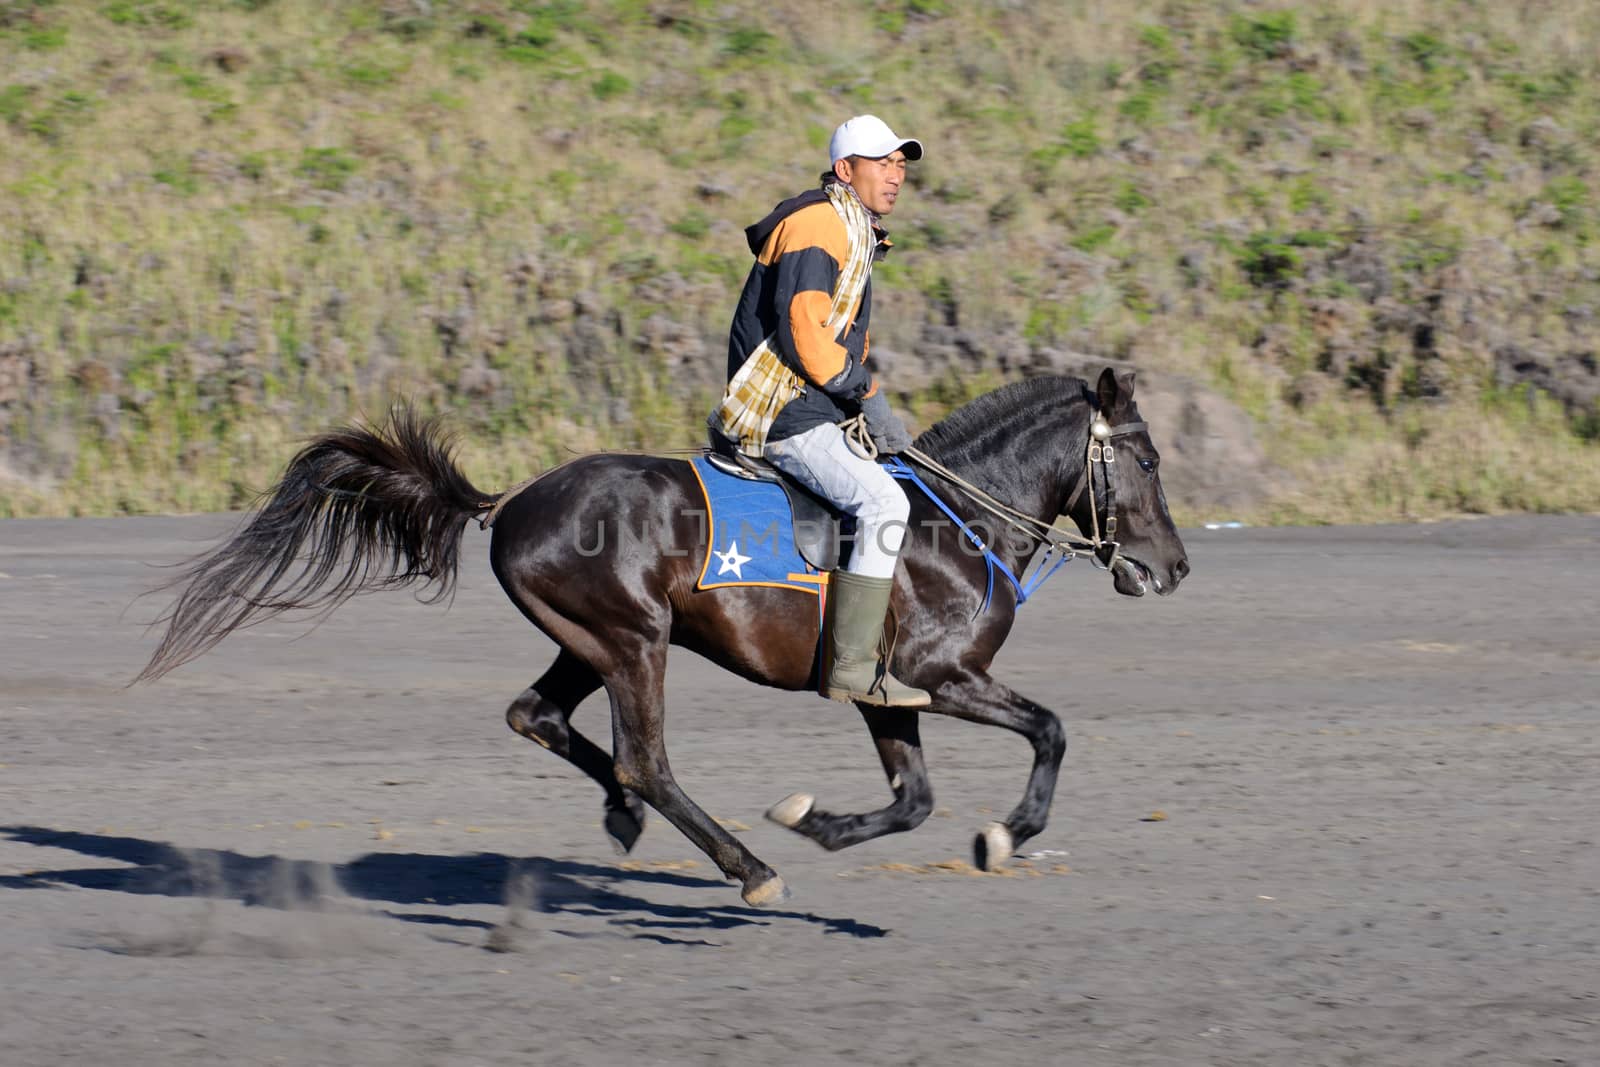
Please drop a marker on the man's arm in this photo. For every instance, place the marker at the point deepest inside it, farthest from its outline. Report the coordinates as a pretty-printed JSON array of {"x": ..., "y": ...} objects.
[
  {"x": 872, "y": 379},
  {"x": 888, "y": 432},
  {"x": 805, "y": 251}
]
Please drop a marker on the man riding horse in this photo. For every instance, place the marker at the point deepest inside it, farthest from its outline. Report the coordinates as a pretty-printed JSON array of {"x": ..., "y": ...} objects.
[
  {"x": 797, "y": 355},
  {"x": 361, "y": 509}
]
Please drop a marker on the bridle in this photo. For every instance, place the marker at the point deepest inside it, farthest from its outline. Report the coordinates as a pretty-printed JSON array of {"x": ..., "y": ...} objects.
[
  {"x": 1099, "y": 455},
  {"x": 1102, "y": 457}
]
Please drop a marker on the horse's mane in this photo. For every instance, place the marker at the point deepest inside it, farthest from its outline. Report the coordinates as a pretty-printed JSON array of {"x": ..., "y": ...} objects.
[{"x": 1018, "y": 404}]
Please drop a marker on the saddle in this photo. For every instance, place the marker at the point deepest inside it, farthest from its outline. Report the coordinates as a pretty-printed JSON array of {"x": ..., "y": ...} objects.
[{"x": 816, "y": 522}]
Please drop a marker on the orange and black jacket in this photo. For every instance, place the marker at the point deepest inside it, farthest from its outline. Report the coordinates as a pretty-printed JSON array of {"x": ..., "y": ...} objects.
[{"x": 799, "y": 249}]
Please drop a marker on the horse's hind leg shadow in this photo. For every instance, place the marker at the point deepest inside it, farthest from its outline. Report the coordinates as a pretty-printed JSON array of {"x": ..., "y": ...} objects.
[
  {"x": 543, "y": 714},
  {"x": 899, "y": 743}
]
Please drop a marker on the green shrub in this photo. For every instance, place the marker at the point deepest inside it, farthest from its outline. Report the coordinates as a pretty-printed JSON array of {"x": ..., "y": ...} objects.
[
  {"x": 1094, "y": 237},
  {"x": 13, "y": 105},
  {"x": 486, "y": 26},
  {"x": 693, "y": 225},
  {"x": 1424, "y": 49},
  {"x": 1141, "y": 107},
  {"x": 1305, "y": 193},
  {"x": 1079, "y": 139},
  {"x": 537, "y": 41},
  {"x": 748, "y": 41},
  {"x": 1329, "y": 145},
  {"x": 935, "y": 234},
  {"x": 1004, "y": 209},
  {"x": 1569, "y": 195},
  {"x": 176, "y": 175},
  {"x": 1273, "y": 261},
  {"x": 252, "y": 165},
  {"x": 547, "y": 20},
  {"x": 146, "y": 13},
  {"x": 1131, "y": 199},
  {"x": 1586, "y": 425},
  {"x": 327, "y": 168},
  {"x": 1159, "y": 55},
  {"x": 408, "y": 21},
  {"x": 44, "y": 38},
  {"x": 372, "y": 72},
  {"x": 1544, "y": 89},
  {"x": 1266, "y": 36},
  {"x": 891, "y": 16},
  {"x": 734, "y": 128},
  {"x": 610, "y": 84}
]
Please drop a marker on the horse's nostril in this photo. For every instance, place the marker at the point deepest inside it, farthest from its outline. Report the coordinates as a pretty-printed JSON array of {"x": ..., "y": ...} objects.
[{"x": 1181, "y": 569}]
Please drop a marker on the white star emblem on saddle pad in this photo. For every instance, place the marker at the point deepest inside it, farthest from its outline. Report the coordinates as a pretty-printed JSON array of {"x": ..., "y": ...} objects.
[{"x": 731, "y": 560}]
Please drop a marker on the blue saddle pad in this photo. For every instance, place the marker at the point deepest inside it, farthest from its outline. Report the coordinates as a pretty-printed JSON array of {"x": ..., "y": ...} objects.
[{"x": 751, "y": 535}]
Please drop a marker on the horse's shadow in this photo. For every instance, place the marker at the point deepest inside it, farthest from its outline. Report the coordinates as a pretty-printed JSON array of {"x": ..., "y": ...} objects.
[{"x": 538, "y": 883}]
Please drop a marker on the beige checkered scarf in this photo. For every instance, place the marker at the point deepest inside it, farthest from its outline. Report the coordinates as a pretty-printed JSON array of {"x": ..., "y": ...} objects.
[{"x": 763, "y": 384}]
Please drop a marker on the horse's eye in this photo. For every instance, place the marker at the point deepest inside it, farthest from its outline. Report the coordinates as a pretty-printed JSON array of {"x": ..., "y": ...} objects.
[{"x": 1146, "y": 464}]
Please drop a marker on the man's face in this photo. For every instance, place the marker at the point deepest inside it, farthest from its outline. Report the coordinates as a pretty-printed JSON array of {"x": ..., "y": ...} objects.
[{"x": 876, "y": 181}]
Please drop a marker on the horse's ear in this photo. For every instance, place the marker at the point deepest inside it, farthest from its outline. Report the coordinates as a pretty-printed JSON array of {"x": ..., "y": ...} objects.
[{"x": 1114, "y": 389}]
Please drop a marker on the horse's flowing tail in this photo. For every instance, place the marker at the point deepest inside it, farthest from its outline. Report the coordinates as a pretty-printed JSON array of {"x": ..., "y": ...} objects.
[{"x": 358, "y": 509}]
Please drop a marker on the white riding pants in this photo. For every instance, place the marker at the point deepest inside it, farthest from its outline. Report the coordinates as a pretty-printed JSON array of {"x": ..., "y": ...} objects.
[{"x": 822, "y": 461}]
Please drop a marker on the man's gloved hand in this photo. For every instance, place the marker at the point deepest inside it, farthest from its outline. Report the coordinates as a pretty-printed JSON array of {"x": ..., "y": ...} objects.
[{"x": 888, "y": 432}]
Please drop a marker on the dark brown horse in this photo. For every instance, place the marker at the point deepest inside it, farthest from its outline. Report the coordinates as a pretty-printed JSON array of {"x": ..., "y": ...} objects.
[{"x": 358, "y": 510}]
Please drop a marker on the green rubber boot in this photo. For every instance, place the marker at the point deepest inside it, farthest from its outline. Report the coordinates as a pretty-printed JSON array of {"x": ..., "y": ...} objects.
[{"x": 856, "y": 670}]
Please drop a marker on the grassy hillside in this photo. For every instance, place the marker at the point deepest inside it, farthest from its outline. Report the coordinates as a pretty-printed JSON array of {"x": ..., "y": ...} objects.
[{"x": 224, "y": 225}]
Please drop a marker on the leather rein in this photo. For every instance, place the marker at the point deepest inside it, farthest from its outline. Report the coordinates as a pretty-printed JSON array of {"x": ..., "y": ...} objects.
[{"x": 1099, "y": 457}]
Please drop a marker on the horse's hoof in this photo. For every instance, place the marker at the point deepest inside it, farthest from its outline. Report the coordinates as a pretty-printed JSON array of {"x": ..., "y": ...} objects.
[
  {"x": 772, "y": 891},
  {"x": 992, "y": 847},
  {"x": 623, "y": 826},
  {"x": 792, "y": 809}
]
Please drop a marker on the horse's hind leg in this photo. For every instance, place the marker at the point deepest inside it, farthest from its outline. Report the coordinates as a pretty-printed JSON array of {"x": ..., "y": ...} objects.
[
  {"x": 637, "y": 712},
  {"x": 899, "y": 743},
  {"x": 543, "y": 714}
]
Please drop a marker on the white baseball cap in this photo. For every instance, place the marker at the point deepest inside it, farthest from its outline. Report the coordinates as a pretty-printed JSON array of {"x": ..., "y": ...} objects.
[{"x": 869, "y": 136}]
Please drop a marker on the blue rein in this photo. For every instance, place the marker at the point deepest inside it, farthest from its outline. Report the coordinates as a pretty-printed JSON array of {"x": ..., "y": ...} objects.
[{"x": 902, "y": 470}]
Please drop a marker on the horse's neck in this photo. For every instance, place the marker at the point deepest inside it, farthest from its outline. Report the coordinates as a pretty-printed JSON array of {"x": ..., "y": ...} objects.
[{"x": 1032, "y": 473}]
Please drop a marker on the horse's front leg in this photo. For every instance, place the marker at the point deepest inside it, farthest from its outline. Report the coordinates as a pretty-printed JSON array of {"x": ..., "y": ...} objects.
[
  {"x": 979, "y": 698},
  {"x": 894, "y": 732}
]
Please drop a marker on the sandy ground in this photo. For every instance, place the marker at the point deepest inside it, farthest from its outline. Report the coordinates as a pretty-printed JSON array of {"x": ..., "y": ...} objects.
[{"x": 1375, "y": 750}]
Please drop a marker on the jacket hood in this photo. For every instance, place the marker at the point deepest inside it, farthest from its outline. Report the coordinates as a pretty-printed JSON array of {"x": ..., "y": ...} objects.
[{"x": 756, "y": 234}]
